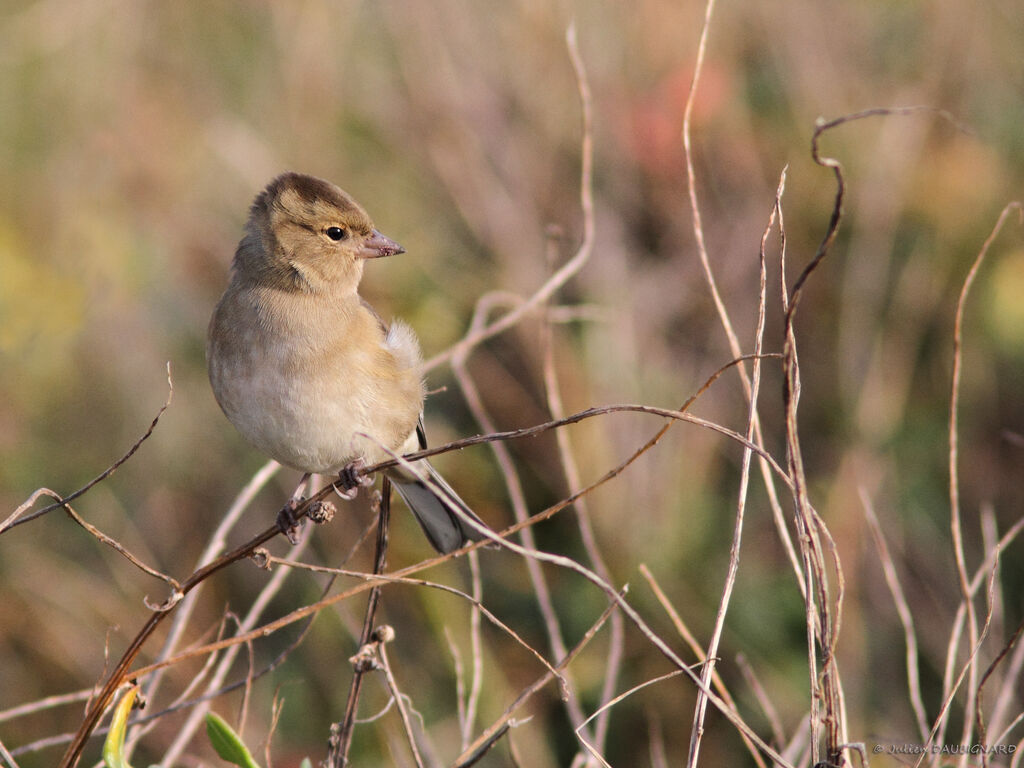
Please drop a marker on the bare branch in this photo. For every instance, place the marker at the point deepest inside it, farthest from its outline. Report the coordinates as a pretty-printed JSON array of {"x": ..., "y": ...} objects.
[
  {"x": 341, "y": 733},
  {"x": 577, "y": 262}
]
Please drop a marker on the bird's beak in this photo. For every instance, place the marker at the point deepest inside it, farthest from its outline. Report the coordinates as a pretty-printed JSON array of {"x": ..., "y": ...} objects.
[{"x": 377, "y": 245}]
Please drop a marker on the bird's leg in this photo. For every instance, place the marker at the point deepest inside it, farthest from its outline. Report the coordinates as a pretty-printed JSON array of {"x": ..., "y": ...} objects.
[
  {"x": 350, "y": 480},
  {"x": 286, "y": 517}
]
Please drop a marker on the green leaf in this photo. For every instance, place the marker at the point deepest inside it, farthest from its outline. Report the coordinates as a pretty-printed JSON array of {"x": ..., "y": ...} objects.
[
  {"x": 227, "y": 743},
  {"x": 113, "y": 747},
  {"x": 306, "y": 763}
]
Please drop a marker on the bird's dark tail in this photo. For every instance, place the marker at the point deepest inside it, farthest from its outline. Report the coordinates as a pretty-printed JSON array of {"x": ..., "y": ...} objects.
[{"x": 436, "y": 513}]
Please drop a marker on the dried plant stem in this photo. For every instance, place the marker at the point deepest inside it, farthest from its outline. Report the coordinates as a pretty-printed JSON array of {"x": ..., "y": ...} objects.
[
  {"x": 903, "y": 610},
  {"x": 588, "y": 539},
  {"x": 709, "y": 276},
  {"x": 301, "y": 613},
  {"x": 954, "y": 480},
  {"x": 253, "y": 615},
  {"x": 109, "y": 541},
  {"x": 216, "y": 545},
  {"x": 341, "y": 733},
  {"x": 988, "y": 566},
  {"x": 538, "y": 582},
  {"x": 399, "y": 699},
  {"x": 630, "y": 612},
  {"x": 652, "y": 637},
  {"x": 1007, "y": 695},
  {"x": 589, "y": 413},
  {"x": 48, "y": 702},
  {"x": 476, "y": 647},
  {"x": 691, "y": 177},
  {"x": 582, "y": 255},
  {"x": 382, "y": 579},
  {"x": 763, "y": 699},
  {"x": 707, "y": 673},
  {"x": 822, "y": 625},
  {"x": 120, "y": 671},
  {"x": 942, "y": 718},
  {"x": 479, "y": 331},
  {"x": 471, "y": 753},
  {"x": 593, "y": 749},
  {"x": 979, "y": 719},
  {"x": 16, "y": 518},
  {"x": 698, "y": 652},
  {"x": 7, "y": 757}
]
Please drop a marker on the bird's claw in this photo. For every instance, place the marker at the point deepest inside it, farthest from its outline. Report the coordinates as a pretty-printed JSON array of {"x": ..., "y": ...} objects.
[
  {"x": 351, "y": 479},
  {"x": 287, "y": 522}
]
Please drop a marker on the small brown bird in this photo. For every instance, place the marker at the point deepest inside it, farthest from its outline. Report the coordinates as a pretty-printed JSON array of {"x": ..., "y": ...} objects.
[{"x": 303, "y": 366}]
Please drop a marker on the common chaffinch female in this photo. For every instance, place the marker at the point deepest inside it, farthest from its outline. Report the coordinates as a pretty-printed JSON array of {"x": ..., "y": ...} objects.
[{"x": 303, "y": 366}]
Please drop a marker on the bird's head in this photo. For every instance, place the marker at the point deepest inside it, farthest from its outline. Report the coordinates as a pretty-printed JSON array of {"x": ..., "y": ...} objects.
[{"x": 307, "y": 234}]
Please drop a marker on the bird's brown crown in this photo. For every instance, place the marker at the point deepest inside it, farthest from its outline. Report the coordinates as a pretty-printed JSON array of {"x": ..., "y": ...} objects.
[
  {"x": 304, "y": 234},
  {"x": 310, "y": 202}
]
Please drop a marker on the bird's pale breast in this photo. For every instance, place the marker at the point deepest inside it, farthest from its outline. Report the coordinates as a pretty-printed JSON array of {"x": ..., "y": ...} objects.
[{"x": 305, "y": 382}]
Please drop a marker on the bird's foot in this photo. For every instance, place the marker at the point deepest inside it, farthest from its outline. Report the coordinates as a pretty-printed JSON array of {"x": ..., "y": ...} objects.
[
  {"x": 287, "y": 522},
  {"x": 351, "y": 479}
]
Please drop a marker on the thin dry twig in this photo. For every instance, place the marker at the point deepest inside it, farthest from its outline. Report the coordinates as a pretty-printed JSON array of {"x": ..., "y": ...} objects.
[
  {"x": 276, "y": 707},
  {"x": 763, "y": 699},
  {"x": 720, "y": 308},
  {"x": 588, "y": 413},
  {"x": 587, "y": 538},
  {"x": 954, "y": 479},
  {"x": 822, "y": 623},
  {"x": 617, "y": 597},
  {"x": 8, "y": 758},
  {"x": 700, "y": 709},
  {"x": 341, "y": 733},
  {"x": 576, "y": 263},
  {"x": 539, "y": 584},
  {"x": 649, "y": 634},
  {"x": 139, "y": 730},
  {"x": 396, "y": 694},
  {"x": 823, "y": 611},
  {"x": 479, "y": 332},
  {"x": 699, "y": 653},
  {"x": 216, "y": 545},
  {"x": 486, "y": 739},
  {"x": 1007, "y": 695},
  {"x": 592, "y": 748},
  {"x": 383, "y": 579},
  {"x": 48, "y": 702},
  {"x": 903, "y": 610},
  {"x": 979, "y": 719},
  {"x": 988, "y": 566},
  {"x": 119, "y": 673},
  {"x": 183, "y": 703},
  {"x": 476, "y": 647},
  {"x": 941, "y": 718},
  {"x": 256, "y": 610},
  {"x": 16, "y": 518},
  {"x": 538, "y": 517}
]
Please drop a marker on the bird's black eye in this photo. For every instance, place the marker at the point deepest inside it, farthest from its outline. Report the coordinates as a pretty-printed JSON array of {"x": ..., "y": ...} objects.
[{"x": 335, "y": 233}]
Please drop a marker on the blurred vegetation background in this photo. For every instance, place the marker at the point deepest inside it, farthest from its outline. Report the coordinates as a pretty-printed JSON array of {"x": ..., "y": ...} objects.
[{"x": 134, "y": 135}]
